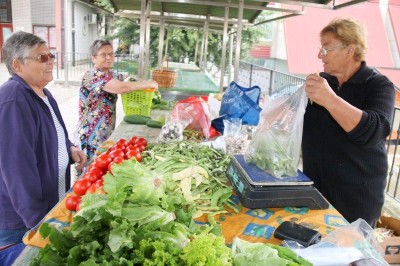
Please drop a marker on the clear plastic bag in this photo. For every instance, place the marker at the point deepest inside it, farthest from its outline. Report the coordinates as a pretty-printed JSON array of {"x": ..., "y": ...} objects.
[
  {"x": 233, "y": 136},
  {"x": 343, "y": 246},
  {"x": 173, "y": 129},
  {"x": 276, "y": 144}
]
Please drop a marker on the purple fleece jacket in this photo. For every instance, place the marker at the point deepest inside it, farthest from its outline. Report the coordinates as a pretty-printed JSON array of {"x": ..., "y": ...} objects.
[{"x": 28, "y": 155}]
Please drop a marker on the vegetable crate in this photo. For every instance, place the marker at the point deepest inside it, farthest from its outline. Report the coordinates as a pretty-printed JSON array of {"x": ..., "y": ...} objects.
[{"x": 138, "y": 102}]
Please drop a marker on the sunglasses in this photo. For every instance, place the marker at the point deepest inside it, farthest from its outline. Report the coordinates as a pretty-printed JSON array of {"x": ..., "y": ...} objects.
[{"x": 43, "y": 58}]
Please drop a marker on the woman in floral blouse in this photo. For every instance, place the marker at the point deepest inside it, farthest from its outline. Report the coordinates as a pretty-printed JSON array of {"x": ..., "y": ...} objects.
[{"x": 98, "y": 96}]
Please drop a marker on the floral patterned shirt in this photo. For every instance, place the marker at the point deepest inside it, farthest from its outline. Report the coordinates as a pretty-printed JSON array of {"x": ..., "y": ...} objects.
[{"x": 97, "y": 110}]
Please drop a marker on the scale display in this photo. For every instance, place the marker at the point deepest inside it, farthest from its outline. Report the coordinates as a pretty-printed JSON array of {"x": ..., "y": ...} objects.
[{"x": 257, "y": 189}]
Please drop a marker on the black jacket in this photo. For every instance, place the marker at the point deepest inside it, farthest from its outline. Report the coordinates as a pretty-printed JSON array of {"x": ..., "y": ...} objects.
[{"x": 350, "y": 169}]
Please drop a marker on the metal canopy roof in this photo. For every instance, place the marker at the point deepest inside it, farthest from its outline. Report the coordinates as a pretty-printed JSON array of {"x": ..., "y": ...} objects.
[
  {"x": 222, "y": 16},
  {"x": 193, "y": 13}
]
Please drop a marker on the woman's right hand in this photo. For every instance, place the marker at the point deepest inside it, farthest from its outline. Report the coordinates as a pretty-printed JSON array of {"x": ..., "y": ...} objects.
[{"x": 152, "y": 84}]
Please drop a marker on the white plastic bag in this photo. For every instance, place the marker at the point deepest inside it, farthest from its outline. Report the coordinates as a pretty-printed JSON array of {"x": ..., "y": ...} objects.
[{"x": 343, "y": 246}]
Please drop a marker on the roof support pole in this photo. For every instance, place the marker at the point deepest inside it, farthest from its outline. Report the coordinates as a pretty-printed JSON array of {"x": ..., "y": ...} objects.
[
  {"x": 197, "y": 46},
  {"x": 238, "y": 40},
  {"x": 166, "y": 46},
  {"x": 223, "y": 56},
  {"x": 202, "y": 47},
  {"x": 161, "y": 42},
  {"x": 230, "y": 58},
  {"x": 206, "y": 42},
  {"x": 142, "y": 38},
  {"x": 147, "y": 42},
  {"x": 142, "y": 43}
]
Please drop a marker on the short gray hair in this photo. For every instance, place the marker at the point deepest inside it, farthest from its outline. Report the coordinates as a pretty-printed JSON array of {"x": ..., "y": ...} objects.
[
  {"x": 96, "y": 46},
  {"x": 18, "y": 46}
]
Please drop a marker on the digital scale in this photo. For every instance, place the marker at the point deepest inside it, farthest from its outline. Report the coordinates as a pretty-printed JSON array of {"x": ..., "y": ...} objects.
[{"x": 257, "y": 189}]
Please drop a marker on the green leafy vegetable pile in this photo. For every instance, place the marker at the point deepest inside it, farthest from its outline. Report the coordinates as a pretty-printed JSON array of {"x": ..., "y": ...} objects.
[{"x": 147, "y": 215}]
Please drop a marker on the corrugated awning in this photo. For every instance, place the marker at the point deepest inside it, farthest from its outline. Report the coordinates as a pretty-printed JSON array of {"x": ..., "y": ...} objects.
[{"x": 176, "y": 12}]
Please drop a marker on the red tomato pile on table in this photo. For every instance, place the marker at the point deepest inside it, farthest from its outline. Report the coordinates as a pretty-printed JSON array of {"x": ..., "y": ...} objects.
[{"x": 92, "y": 180}]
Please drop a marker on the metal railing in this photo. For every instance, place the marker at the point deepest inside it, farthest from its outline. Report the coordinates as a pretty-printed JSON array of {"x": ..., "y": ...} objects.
[
  {"x": 394, "y": 158},
  {"x": 79, "y": 63},
  {"x": 271, "y": 82}
]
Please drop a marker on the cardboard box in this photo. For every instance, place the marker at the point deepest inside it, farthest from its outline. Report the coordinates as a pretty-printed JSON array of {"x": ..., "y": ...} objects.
[{"x": 391, "y": 245}]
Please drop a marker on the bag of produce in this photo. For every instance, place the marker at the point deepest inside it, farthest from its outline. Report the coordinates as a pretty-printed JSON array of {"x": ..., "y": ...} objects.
[
  {"x": 276, "y": 144},
  {"x": 173, "y": 129},
  {"x": 239, "y": 102},
  {"x": 197, "y": 109}
]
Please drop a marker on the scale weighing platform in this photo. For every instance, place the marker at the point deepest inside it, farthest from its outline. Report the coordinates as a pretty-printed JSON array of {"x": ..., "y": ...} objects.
[{"x": 257, "y": 189}]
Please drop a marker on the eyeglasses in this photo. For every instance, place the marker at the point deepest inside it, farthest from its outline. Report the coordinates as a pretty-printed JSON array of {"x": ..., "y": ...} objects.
[
  {"x": 43, "y": 58},
  {"x": 111, "y": 55},
  {"x": 324, "y": 51}
]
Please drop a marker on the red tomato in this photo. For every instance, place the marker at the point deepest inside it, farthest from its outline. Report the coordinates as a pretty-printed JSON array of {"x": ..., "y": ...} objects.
[
  {"x": 71, "y": 202},
  {"x": 133, "y": 140},
  {"x": 116, "y": 147},
  {"x": 91, "y": 166},
  {"x": 91, "y": 189},
  {"x": 116, "y": 153},
  {"x": 141, "y": 141},
  {"x": 92, "y": 177},
  {"x": 134, "y": 154},
  {"x": 103, "y": 161},
  {"x": 96, "y": 171},
  {"x": 80, "y": 186},
  {"x": 94, "y": 188},
  {"x": 78, "y": 206},
  {"x": 123, "y": 142},
  {"x": 118, "y": 160},
  {"x": 141, "y": 147},
  {"x": 99, "y": 183},
  {"x": 132, "y": 147}
]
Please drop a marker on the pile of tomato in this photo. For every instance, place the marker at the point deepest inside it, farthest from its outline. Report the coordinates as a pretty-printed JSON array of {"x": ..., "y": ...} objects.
[{"x": 92, "y": 180}]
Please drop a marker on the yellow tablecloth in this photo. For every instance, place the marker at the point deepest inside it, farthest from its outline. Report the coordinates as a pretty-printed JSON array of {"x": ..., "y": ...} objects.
[{"x": 255, "y": 225}]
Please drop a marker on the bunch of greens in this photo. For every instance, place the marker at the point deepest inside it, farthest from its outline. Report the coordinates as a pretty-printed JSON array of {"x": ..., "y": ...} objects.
[
  {"x": 160, "y": 104},
  {"x": 260, "y": 254},
  {"x": 140, "y": 221}
]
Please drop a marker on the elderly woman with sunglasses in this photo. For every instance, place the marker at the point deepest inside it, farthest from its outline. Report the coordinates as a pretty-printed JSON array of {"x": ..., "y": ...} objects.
[
  {"x": 35, "y": 152},
  {"x": 98, "y": 96},
  {"x": 346, "y": 124}
]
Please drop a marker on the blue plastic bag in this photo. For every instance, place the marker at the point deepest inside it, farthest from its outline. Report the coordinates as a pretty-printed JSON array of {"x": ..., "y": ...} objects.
[{"x": 239, "y": 102}]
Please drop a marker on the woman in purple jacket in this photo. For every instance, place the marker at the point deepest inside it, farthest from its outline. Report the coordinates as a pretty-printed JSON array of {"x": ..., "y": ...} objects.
[{"x": 35, "y": 152}]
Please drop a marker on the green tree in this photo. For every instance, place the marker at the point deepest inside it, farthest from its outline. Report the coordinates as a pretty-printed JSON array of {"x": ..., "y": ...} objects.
[{"x": 181, "y": 42}]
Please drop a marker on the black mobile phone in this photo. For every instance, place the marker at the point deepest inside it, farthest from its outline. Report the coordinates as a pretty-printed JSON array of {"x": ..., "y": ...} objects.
[{"x": 296, "y": 232}]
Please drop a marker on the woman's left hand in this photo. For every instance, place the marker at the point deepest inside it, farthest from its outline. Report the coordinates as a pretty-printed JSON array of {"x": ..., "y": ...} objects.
[{"x": 79, "y": 158}]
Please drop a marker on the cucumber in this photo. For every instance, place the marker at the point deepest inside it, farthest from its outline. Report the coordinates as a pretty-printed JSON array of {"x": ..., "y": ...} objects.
[
  {"x": 154, "y": 123},
  {"x": 136, "y": 119}
]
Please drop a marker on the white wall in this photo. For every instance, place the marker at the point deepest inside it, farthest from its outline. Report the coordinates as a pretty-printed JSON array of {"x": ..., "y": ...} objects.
[
  {"x": 21, "y": 15},
  {"x": 85, "y": 33}
]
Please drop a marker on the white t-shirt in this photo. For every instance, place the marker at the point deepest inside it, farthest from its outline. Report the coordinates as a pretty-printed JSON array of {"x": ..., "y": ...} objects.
[{"x": 63, "y": 158}]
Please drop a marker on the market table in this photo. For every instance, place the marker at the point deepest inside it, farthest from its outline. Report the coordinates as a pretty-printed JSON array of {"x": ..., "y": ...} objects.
[{"x": 255, "y": 225}]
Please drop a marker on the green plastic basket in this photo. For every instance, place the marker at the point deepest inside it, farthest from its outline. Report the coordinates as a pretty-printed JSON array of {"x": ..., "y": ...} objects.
[{"x": 138, "y": 102}]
